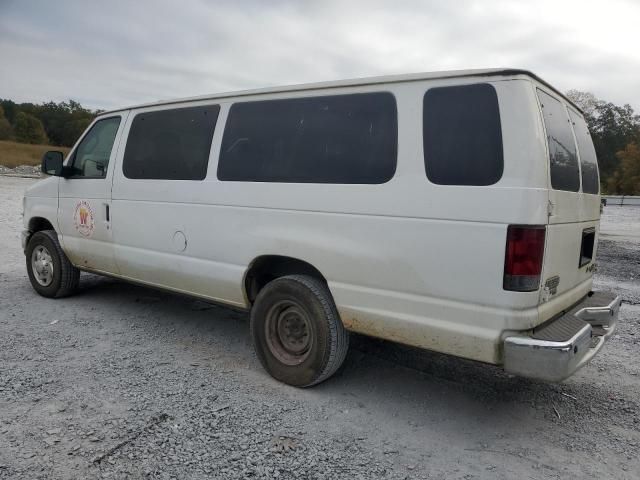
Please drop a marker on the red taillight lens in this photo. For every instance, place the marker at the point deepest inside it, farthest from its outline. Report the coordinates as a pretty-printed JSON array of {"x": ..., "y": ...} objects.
[{"x": 523, "y": 258}]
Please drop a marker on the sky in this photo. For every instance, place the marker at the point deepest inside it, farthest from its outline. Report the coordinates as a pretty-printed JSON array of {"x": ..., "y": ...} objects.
[{"x": 110, "y": 54}]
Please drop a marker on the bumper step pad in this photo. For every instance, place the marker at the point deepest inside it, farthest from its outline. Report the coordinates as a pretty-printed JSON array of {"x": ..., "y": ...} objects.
[{"x": 561, "y": 330}]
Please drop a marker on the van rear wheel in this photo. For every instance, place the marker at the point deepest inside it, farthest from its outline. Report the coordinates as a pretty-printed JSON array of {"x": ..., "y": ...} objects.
[
  {"x": 297, "y": 332},
  {"x": 50, "y": 272}
]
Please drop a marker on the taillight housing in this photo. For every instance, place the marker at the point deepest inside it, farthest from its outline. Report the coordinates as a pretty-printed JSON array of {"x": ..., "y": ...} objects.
[{"x": 523, "y": 257}]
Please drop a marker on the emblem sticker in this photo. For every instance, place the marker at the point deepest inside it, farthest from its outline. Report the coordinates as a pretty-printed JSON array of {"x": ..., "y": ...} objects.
[{"x": 83, "y": 219}]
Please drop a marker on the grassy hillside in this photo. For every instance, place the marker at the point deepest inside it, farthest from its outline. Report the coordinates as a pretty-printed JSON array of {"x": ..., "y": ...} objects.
[{"x": 13, "y": 154}]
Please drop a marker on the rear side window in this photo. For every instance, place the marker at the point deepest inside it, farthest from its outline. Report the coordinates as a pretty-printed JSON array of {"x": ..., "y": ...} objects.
[
  {"x": 565, "y": 173},
  {"x": 328, "y": 139},
  {"x": 170, "y": 144},
  {"x": 462, "y": 135},
  {"x": 588, "y": 161}
]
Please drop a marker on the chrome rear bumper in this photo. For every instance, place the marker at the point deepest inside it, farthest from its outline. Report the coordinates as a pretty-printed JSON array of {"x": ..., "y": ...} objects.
[{"x": 557, "y": 349}]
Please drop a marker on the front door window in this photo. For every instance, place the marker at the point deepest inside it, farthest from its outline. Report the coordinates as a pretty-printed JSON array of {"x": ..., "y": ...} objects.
[{"x": 91, "y": 158}]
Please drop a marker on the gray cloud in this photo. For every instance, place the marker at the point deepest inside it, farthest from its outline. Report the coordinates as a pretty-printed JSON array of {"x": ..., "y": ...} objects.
[{"x": 116, "y": 53}]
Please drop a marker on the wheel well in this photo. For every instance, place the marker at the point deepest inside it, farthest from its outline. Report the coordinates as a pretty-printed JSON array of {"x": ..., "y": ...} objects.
[
  {"x": 37, "y": 224},
  {"x": 269, "y": 267}
]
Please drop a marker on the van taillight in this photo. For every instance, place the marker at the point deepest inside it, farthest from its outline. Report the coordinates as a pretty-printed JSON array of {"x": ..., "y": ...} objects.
[{"x": 523, "y": 258}]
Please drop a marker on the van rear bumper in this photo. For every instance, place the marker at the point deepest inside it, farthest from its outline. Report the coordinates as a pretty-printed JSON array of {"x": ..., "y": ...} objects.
[{"x": 557, "y": 349}]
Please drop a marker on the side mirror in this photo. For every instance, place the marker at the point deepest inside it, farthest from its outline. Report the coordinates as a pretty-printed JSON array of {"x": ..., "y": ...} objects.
[{"x": 52, "y": 163}]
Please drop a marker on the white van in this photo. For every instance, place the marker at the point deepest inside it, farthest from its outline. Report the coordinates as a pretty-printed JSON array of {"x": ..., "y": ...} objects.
[{"x": 452, "y": 211}]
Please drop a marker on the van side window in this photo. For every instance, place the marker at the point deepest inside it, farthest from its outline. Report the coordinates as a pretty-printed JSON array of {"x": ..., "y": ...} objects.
[
  {"x": 170, "y": 144},
  {"x": 462, "y": 135},
  {"x": 91, "y": 157},
  {"x": 588, "y": 161},
  {"x": 565, "y": 172},
  {"x": 327, "y": 139}
]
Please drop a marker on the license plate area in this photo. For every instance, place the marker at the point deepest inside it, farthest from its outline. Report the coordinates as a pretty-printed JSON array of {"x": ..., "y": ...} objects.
[{"x": 586, "y": 247}]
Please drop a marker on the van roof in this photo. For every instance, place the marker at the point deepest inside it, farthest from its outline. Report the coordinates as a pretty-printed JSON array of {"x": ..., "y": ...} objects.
[{"x": 409, "y": 77}]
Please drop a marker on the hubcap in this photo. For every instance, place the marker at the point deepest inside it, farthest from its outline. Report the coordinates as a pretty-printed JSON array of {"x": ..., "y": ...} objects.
[
  {"x": 42, "y": 265},
  {"x": 289, "y": 333}
]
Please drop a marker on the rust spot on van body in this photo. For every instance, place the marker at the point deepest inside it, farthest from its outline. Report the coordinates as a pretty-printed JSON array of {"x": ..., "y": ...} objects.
[
  {"x": 387, "y": 331},
  {"x": 364, "y": 326},
  {"x": 421, "y": 336}
]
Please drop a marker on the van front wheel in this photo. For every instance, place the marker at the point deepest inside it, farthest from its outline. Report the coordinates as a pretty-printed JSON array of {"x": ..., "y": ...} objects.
[
  {"x": 51, "y": 273},
  {"x": 297, "y": 332}
]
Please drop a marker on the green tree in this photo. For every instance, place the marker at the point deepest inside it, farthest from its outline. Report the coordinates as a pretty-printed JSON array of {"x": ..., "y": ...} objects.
[
  {"x": 10, "y": 110},
  {"x": 28, "y": 129},
  {"x": 626, "y": 179},
  {"x": 6, "y": 131},
  {"x": 612, "y": 128},
  {"x": 64, "y": 122},
  {"x": 587, "y": 102}
]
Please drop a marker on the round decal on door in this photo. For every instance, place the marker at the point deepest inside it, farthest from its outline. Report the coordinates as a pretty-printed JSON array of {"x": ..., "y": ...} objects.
[{"x": 83, "y": 219}]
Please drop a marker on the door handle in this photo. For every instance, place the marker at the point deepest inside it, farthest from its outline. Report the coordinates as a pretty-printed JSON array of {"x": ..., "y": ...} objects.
[
  {"x": 551, "y": 209},
  {"x": 107, "y": 215}
]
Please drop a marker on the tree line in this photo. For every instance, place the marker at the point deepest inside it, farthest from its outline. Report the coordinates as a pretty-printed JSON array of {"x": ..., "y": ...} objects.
[
  {"x": 51, "y": 123},
  {"x": 615, "y": 131}
]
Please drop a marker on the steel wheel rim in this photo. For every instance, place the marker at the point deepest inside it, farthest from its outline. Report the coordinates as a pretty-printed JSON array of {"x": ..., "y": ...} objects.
[
  {"x": 42, "y": 265},
  {"x": 288, "y": 332}
]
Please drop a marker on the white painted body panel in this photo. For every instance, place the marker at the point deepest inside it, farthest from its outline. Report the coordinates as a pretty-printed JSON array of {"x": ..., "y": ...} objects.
[
  {"x": 41, "y": 201},
  {"x": 406, "y": 260}
]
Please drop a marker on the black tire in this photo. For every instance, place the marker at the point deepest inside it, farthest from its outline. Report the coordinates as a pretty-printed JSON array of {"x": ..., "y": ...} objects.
[
  {"x": 326, "y": 348},
  {"x": 66, "y": 277}
]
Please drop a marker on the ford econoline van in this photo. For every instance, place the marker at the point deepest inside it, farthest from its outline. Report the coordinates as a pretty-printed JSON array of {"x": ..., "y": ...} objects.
[{"x": 453, "y": 211}]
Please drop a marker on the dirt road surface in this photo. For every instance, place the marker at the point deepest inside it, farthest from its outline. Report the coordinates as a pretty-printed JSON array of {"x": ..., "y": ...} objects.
[{"x": 122, "y": 381}]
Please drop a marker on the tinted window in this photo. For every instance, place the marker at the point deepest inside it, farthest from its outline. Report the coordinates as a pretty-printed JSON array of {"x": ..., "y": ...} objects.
[
  {"x": 462, "y": 135},
  {"x": 170, "y": 144},
  {"x": 330, "y": 139},
  {"x": 565, "y": 173},
  {"x": 91, "y": 158},
  {"x": 588, "y": 162}
]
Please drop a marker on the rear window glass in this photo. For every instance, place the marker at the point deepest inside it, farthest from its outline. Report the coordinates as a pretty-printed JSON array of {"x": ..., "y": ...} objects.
[
  {"x": 587, "y": 153},
  {"x": 565, "y": 173},
  {"x": 328, "y": 139},
  {"x": 462, "y": 135},
  {"x": 170, "y": 144}
]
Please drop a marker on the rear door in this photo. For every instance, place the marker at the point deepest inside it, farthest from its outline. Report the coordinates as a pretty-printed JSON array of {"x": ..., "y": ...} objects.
[{"x": 574, "y": 200}]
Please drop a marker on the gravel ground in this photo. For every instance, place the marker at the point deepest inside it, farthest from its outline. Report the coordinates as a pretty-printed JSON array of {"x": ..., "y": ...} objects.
[
  {"x": 21, "y": 171},
  {"x": 122, "y": 381}
]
